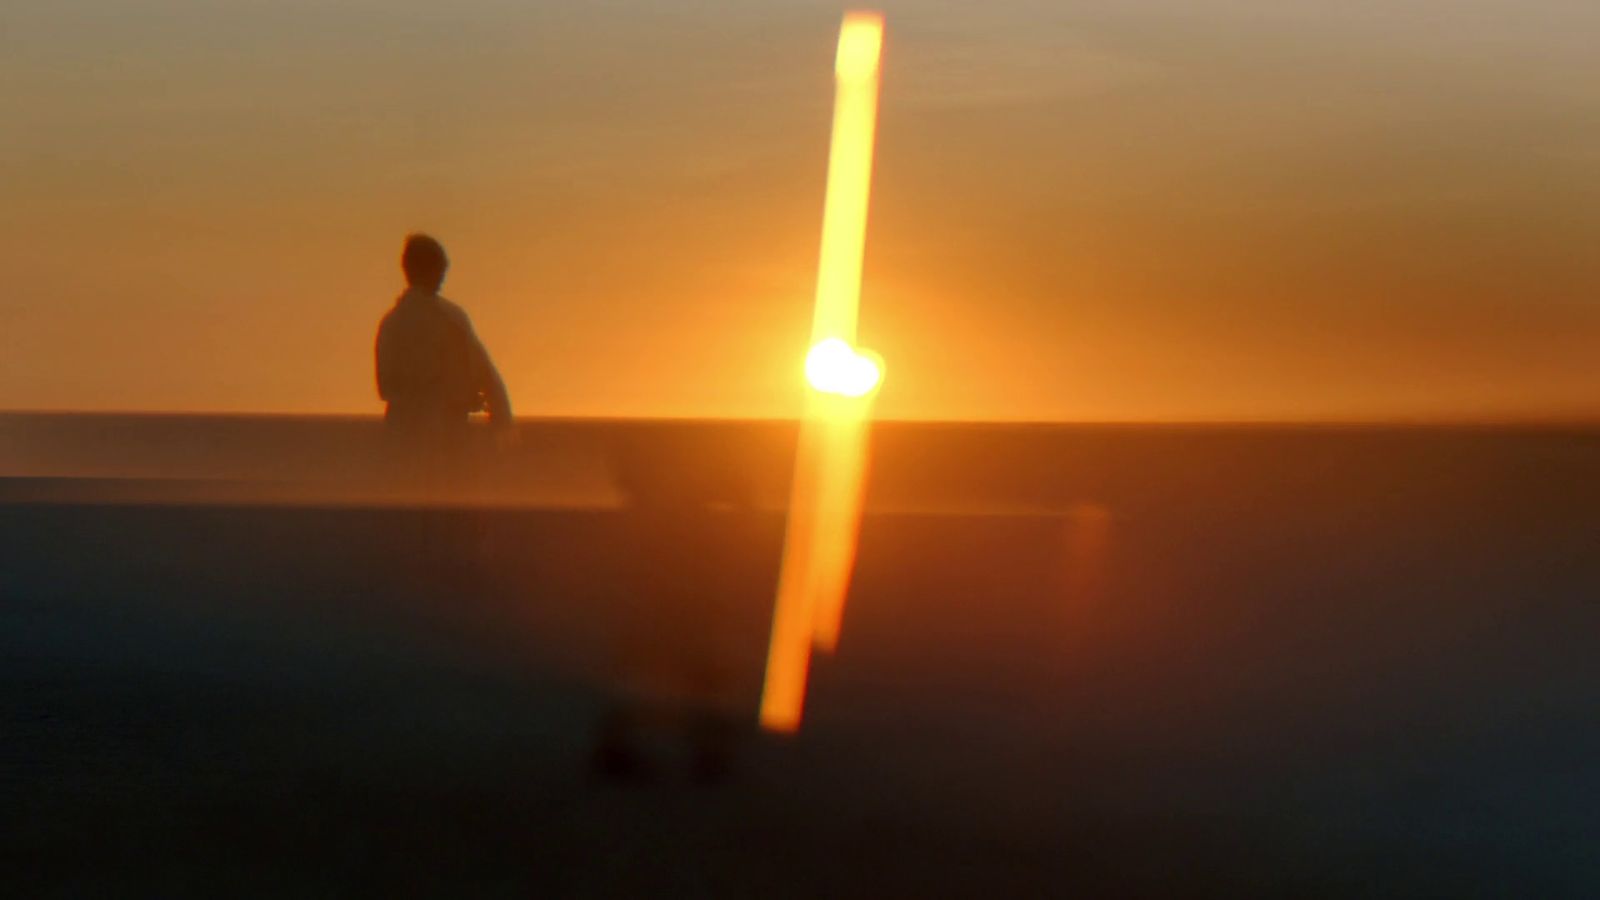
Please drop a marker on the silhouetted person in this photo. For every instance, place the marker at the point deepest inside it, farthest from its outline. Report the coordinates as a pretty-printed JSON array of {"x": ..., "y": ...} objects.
[
  {"x": 432, "y": 370},
  {"x": 434, "y": 373}
]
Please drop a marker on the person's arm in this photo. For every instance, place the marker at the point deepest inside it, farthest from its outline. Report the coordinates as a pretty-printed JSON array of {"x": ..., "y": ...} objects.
[
  {"x": 488, "y": 380},
  {"x": 485, "y": 377}
]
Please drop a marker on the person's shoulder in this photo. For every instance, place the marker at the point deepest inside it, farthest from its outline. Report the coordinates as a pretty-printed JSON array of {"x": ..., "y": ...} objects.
[
  {"x": 455, "y": 313},
  {"x": 389, "y": 315},
  {"x": 394, "y": 311}
]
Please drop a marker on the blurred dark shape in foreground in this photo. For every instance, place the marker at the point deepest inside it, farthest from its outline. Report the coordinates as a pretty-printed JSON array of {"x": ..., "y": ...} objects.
[{"x": 675, "y": 644}]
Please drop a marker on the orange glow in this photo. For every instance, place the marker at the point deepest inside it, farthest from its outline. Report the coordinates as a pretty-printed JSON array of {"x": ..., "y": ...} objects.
[{"x": 831, "y": 459}]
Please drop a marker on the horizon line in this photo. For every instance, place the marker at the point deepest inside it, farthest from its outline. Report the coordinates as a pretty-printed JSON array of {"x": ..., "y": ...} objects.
[{"x": 1552, "y": 421}]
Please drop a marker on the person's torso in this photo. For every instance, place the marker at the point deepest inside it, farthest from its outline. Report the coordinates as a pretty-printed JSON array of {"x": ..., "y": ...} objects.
[{"x": 426, "y": 358}]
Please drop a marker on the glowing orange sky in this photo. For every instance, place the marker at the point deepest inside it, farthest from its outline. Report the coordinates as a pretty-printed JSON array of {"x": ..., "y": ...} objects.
[{"x": 1103, "y": 210}]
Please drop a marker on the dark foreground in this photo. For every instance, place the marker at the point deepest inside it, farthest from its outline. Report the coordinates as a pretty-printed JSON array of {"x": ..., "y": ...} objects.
[{"x": 1106, "y": 661}]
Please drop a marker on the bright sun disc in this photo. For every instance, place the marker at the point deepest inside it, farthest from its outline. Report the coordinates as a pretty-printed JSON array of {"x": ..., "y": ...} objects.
[{"x": 834, "y": 367}]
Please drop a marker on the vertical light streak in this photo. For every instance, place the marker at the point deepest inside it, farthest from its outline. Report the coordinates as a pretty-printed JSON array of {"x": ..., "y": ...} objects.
[
  {"x": 789, "y": 651},
  {"x": 842, "y": 464},
  {"x": 830, "y": 461},
  {"x": 844, "y": 213}
]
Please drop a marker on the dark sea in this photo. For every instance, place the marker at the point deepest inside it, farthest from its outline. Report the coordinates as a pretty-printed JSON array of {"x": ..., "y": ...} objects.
[{"x": 264, "y": 656}]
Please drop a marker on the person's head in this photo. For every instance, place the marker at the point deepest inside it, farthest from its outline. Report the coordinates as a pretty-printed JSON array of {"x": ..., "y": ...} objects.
[{"x": 424, "y": 262}]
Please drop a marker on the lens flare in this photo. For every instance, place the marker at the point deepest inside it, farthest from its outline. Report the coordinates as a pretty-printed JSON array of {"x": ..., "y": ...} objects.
[
  {"x": 860, "y": 46},
  {"x": 831, "y": 457},
  {"x": 844, "y": 211}
]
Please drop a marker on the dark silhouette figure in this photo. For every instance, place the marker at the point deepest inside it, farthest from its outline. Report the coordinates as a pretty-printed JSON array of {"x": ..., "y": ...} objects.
[
  {"x": 434, "y": 374},
  {"x": 432, "y": 370}
]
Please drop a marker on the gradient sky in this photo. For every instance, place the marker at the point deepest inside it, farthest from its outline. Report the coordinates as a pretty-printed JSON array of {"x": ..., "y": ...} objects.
[{"x": 1110, "y": 209}]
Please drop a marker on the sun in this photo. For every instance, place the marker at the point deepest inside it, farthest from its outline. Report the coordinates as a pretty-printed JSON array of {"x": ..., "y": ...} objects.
[{"x": 834, "y": 367}]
